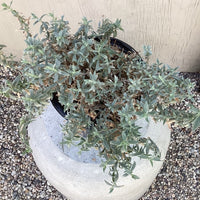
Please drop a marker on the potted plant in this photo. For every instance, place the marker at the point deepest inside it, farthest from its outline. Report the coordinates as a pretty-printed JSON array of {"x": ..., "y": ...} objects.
[{"x": 102, "y": 87}]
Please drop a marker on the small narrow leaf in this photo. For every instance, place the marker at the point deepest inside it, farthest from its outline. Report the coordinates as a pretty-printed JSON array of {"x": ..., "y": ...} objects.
[
  {"x": 135, "y": 176},
  {"x": 196, "y": 123}
]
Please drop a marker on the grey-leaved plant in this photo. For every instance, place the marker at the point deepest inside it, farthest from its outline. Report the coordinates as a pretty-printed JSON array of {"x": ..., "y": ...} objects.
[{"x": 103, "y": 89}]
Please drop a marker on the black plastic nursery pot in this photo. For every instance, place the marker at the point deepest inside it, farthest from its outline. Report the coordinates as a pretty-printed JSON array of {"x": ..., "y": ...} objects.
[{"x": 124, "y": 47}]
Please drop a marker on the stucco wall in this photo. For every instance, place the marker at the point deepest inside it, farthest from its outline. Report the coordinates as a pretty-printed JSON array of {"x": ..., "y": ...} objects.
[{"x": 172, "y": 28}]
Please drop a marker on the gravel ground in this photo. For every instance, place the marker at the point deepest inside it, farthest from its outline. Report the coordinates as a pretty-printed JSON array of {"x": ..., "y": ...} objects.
[{"x": 20, "y": 179}]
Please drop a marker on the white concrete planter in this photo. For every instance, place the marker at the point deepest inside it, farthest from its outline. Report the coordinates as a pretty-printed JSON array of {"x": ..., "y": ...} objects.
[{"x": 82, "y": 178}]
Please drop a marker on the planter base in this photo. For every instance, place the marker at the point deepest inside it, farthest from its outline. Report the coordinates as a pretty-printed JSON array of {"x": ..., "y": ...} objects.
[{"x": 84, "y": 179}]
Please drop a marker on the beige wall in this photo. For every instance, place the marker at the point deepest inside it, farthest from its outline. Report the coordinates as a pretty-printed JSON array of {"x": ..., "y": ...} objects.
[{"x": 171, "y": 27}]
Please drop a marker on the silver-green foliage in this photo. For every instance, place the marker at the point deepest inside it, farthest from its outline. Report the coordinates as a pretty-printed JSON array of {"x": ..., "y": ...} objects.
[{"x": 103, "y": 89}]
